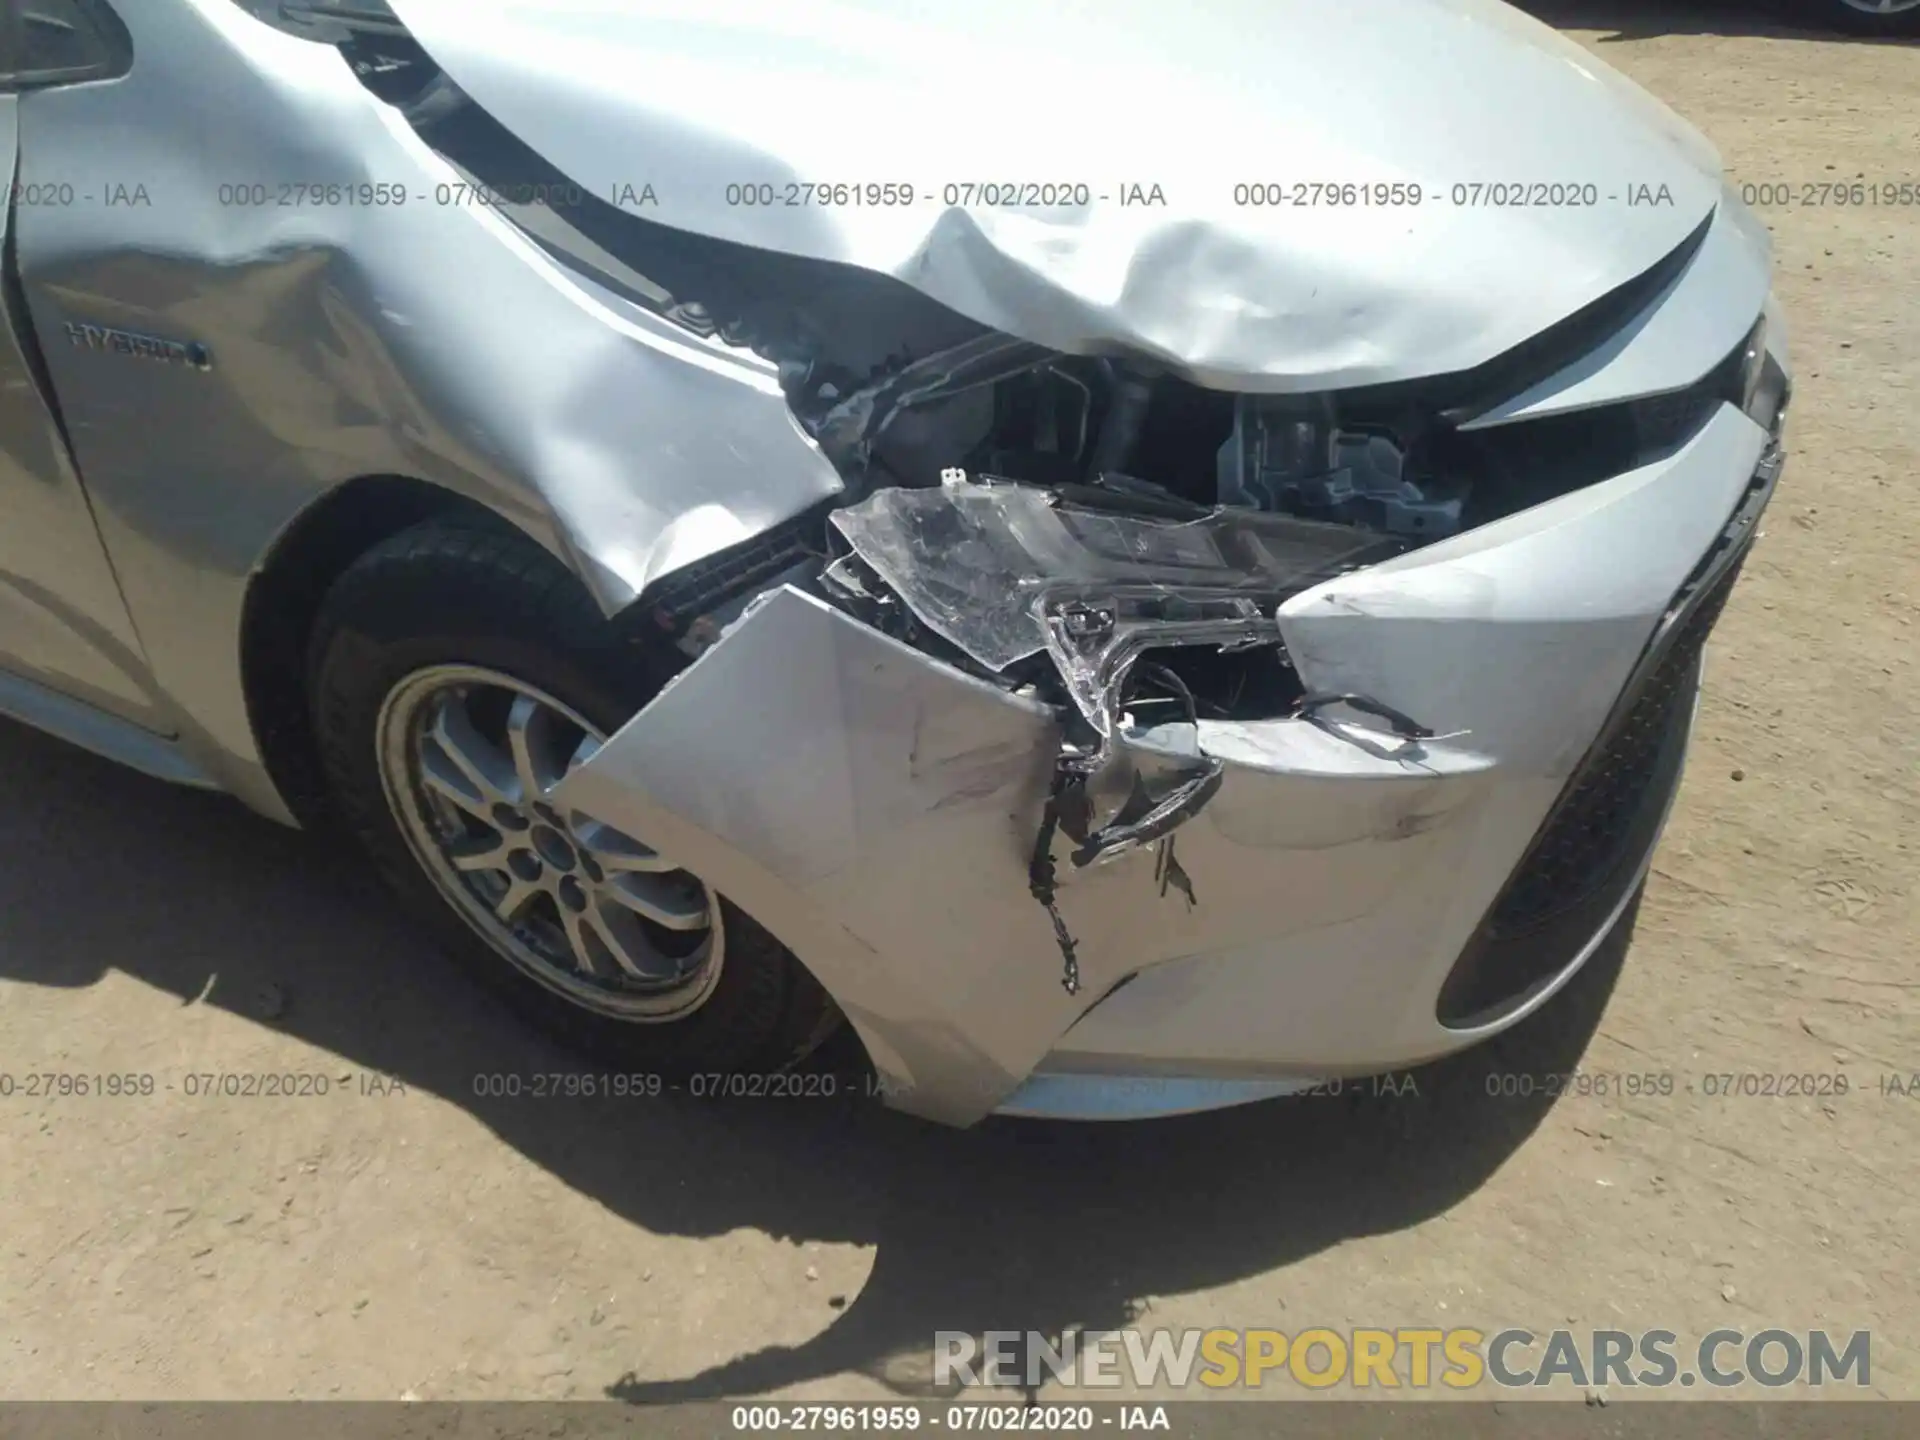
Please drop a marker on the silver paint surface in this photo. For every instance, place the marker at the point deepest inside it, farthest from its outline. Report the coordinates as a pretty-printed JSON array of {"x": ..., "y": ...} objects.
[
  {"x": 62, "y": 621},
  {"x": 1678, "y": 336},
  {"x": 870, "y": 805},
  {"x": 876, "y": 808},
  {"x": 422, "y": 339},
  {"x": 692, "y": 96}
]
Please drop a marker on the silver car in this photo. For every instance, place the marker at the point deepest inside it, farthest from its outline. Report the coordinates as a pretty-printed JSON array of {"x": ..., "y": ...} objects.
[{"x": 1144, "y": 557}]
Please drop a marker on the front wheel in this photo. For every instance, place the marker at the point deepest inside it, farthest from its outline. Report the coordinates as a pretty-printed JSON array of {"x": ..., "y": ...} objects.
[{"x": 458, "y": 674}]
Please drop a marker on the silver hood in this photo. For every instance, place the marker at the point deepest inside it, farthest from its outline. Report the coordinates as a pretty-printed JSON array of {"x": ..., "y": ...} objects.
[{"x": 698, "y": 98}]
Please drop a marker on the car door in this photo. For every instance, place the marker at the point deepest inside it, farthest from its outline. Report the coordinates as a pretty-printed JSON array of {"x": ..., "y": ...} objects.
[{"x": 63, "y": 623}]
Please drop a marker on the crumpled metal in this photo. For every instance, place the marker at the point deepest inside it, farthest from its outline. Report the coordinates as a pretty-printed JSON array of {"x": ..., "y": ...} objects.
[
  {"x": 1005, "y": 571},
  {"x": 937, "y": 144}
]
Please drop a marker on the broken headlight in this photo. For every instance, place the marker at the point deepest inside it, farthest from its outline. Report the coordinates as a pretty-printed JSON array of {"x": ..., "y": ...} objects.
[
  {"x": 1095, "y": 578},
  {"x": 1005, "y": 571}
]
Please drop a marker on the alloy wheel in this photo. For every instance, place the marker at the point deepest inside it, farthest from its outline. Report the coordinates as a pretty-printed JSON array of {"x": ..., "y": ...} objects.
[{"x": 469, "y": 759}]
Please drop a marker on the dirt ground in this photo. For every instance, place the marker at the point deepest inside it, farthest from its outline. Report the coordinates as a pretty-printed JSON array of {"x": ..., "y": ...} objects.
[{"x": 425, "y": 1241}]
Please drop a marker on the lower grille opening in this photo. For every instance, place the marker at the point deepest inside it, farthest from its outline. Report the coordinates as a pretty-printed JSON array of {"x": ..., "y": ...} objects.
[{"x": 1586, "y": 856}]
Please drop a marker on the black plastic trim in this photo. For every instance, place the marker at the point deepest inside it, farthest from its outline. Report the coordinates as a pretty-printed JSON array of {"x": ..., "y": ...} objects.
[
  {"x": 1461, "y": 395},
  {"x": 1522, "y": 944},
  {"x": 113, "y": 42},
  {"x": 675, "y": 600}
]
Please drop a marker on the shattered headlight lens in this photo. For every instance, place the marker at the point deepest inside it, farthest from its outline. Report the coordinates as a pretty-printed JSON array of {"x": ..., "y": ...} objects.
[
  {"x": 1096, "y": 577},
  {"x": 1005, "y": 570}
]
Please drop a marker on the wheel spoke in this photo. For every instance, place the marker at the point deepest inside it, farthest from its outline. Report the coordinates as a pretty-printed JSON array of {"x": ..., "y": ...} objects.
[
  {"x": 458, "y": 763},
  {"x": 666, "y": 901},
  {"x": 618, "y": 854},
  {"x": 583, "y": 752},
  {"x": 530, "y": 737},
  {"x": 624, "y": 948},
  {"x": 514, "y": 900},
  {"x": 578, "y": 942},
  {"x": 472, "y": 759},
  {"x": 480, "y": 852}
]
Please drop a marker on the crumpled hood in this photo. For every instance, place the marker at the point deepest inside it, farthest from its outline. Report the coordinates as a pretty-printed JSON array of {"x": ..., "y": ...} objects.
[{"x": 692, "y": 97}]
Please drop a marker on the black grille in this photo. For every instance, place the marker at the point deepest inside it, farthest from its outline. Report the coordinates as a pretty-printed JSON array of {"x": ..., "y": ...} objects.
[
  {"x": 1589, "y": 833},
  {"x": 1525, "y": 462},
  {"x": 1586, "y": 856},
  {"x": 1582, "y": 865},
  {"x": 691, "y": 591}
]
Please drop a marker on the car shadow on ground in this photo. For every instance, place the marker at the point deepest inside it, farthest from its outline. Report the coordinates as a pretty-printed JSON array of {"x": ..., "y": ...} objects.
[
  {"x": 1629, "y": 20},
  {"x": 1013, "y": 1225}
]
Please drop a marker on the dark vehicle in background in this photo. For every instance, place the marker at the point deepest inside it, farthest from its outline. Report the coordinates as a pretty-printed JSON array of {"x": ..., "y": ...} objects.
[{"x": 1869, "y": 17}]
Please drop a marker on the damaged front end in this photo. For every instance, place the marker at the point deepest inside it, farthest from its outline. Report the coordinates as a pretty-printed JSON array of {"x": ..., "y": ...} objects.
[
  {"x": 1248, "y": 609},
  {"x": 1083, "y": 628},
  {"x": 1098, "y": 580},
  {"x": 1125, "y": 551},
  {"x": 1204, "y": 675}
]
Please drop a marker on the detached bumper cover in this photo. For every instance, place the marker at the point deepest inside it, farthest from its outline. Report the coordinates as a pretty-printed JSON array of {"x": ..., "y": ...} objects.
[{"x": 876, "y": 808}]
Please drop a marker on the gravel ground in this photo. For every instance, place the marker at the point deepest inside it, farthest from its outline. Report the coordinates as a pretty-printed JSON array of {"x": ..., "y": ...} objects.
[{"x": 401, "y": 1235}]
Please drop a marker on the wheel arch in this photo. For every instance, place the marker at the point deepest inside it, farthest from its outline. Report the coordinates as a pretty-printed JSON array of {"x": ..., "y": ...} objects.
[{"x": 283, "y": 599}]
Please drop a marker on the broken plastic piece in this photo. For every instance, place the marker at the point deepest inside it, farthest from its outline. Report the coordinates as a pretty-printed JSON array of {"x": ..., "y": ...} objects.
[
  {"x": 1146, "y": 819},
  {"x": 1095, "y": 578},
  {"x": 1185, "y": 801},
  {"x": 862, "y": 417},
  {"x": 1004, "y": 570},
  {"x": 1311, "y": 708}
]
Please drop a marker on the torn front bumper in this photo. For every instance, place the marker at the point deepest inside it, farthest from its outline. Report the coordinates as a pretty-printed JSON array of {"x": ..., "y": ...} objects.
[{"x": 876, "y": 808}]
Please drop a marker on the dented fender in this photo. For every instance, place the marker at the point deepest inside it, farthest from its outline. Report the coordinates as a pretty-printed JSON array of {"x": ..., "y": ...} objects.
[{"x": 424, "y": 338}]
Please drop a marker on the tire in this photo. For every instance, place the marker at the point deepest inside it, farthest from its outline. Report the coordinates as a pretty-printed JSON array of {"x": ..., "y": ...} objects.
[
  {"x": 449, "y": 597},
  {"x": 1878, "y": 24}
]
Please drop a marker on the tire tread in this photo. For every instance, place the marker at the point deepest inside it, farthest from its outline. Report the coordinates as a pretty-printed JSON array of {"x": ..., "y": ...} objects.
[{"x": 449, "y": 577}]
